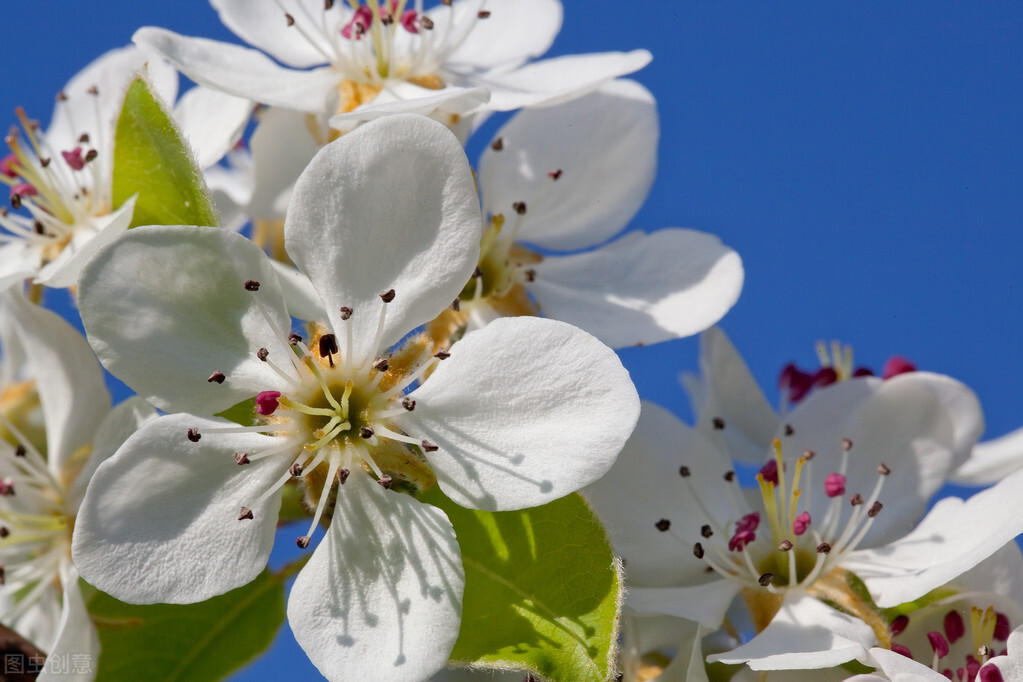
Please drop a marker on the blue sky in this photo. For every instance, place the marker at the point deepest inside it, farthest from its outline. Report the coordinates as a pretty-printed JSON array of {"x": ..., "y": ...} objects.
[{"x": 865, "y": 159}]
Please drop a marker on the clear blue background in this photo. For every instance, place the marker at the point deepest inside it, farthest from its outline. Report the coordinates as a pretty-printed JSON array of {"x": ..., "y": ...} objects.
[{"x": 865, "y": 159}]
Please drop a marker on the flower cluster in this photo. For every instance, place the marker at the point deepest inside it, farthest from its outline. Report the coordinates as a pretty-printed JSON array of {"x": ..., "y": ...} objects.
[{"x": 402, "y": 366}]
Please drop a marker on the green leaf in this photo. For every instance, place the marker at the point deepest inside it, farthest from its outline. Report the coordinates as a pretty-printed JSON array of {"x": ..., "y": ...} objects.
[
  {"x": 170, "y": 642},
  {"x": 542, "y": 590},
  {"x": 151, "y": 160}
]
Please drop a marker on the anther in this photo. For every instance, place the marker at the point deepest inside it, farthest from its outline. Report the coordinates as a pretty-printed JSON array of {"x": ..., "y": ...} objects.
[
  {"x": 45, "y": 161},
  {"x": 342, "y": 475},
  {"x": 684, "y": 472},
  {"x": 706, "y": 531},
  {"x": 834, "y": 485},
  {"x": 217, "y": 377},
  {"x": 498, "y": 144},
  {"x": 520, "y": 207},
  {"x": 386, "y": 19},
  {"x": 954, "y": 626},
  {"x": 93, "y": 90},
  {"x": 296, "y": 470},
  {"x": 766, "y": 579},
  {"x": 61, "y": 96},
  {"x": 4, "y": 531},
  {"x": 442, "y": 355},
  {"x": 83, "y": 138},
  {"x": 251, "y": 285},
  {"x": 938, "y": 644},
  {"x": 20, "y": 450},
  {"x": 381, "y": 365},
  {"x": 327, "y": 347},
  {"x": 386, "y": 481},
  {"x": 809, "y": 454},
  {"x": 729, "y": 476},
  {"x": 846, "y": 444},
  {"x": 883, "y": 469},
  {"x": 193, "y": 435},
  {"x": 38, "y": 227},
  {"x": 785, "y": 546},
  {"x": 554, "y": 174},
  {"x": 663, "y": 525},
  {"x": 789, "y": 430},
  {"x": 267, "y": 402},
  {"x": 456, "y": 305},
  {"x": 262, "y": 354},
  {"x": 290, "y": 19},
  {"x": 530, "y": 275},
  {"x": 899, "y": 624},
  {"x": 856, "y": 500},
  {"x": 698, "y": 550},
  {"x": 428, "y": 446},
  {"x": 366, "y": 432},
  {"x": 7, "y": 487},
  {"x": 483, "y": 14},
  {"x": 387, "y": 296},
  {"x": 91, "y": 155},
  {"x": 246, "y": 513},
  {"x": 477, "y": 273},
  {"x": 875, "y": 509},
  {"x": 718, "y": 423},
  {"x": 3, "y": 576},
  {"x": 426, "y": 22},
  {"x": 303, "y": 541},
  {"x": 294, "y": 339},
  {"x": 823, "y": 548},
  {"x": 346, "y": 312},
  {"x": 15, "y": 201},
  {"x": 408, "y": 403},
  {"x": 241, "y": 458}
]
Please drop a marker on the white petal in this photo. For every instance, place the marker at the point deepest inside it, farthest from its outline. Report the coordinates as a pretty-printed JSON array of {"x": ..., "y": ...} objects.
[
  {"x": 242, "y": 72},
  {"x": 282, "y": 147},
  {"x": 643, "y": 288},
  {"x": 212, "y": 122},
  {"x": 961, "y": 403},
  {"x": 604, "y": 144},
  {"x": 526, "y": 410},
  {"x": 159, "y": 522},
  {"x": 65, "y": 269},
  {"x": 390, "y": 206},
  {"x": 805, "y": 633},
  {"x": 515, "y": 31},
  {"x": 77, "y": 641},
  {"x": 644, "y": 486},
  {"x": 952, "y": 538},
  {"x": 899, "y": 668},
  {"x": 705, "y": 604},
  {"x": 264, "y": 25},
  {"x": 18, "y": 262},
  {"x": 552, "y": 81},
  {"x": 69, "y": 380},
  {"x": 444, "y": 105},
  {"x": 381, "y": 597},
  {"x": 299, "y": 293},
  {"x": 726, "y": 389},
  {"x": 992, "y": 460},
  {"x": 185, "y": 315}
]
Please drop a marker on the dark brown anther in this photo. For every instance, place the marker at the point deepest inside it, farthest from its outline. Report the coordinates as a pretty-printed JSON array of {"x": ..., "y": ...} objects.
[
  {"x": 446, "y": 2},
  {"x": 554, "y": 174},
  {"x": 246, "y": 513},
  {"x": 342, "y": 475},
  {"x": 386, "y": 481},
  {"x": 706, "y": 531},
  {"x": 346, "y": 312},
  {"x": 784, "y": 546},
  {"x": 294, "y": 339},
  {"x": 719, "y": 423},
  {"x": 663, "y": 525},
  {"x": 883, "y": 469},
  {"x": 303, "y": 541},
  {"x": 262, "y": 354},
  {"x": 846, "y": 444},
  {"x": 809, "y": 454},
  {"x": 520, "y": 207},
  {"x": 875, "y": 509},
  {"x": 19, "y": 451},
  {"x": 61, "y": 96},
  {"x": 498, "y": 144},
  {"x": 766, "y": 579},
  {"x": 789, "y": 430},
  {"x": 426, "y": 22},
  {"x": 217, "y": 377},
  {"x": 15, "y": 201},
  {"x": 387, "y": 296},
  {"x": 290, "y": 19},
  {"x": 366, "y": 432},
  {"x": 327, "y": 347},
  {"x": 698, "y": 550},
  {"x": 296, "y": 470},
  {"x": 251, "y": 285},
  {"x": 328, "y": 5},
  {"x": 45, "y": 161},
  {"x": 408, "y": 403},
  {"x": 477, "y": 273},
  {"x": 442, "y": 355},
  {"x": 823, "y": 548},
  {"x": 381, "y": 365},
  {"x": 684, "y": 472},
  {"x": 856, "y": 500},
  {"x": 456, "y": 305},
  {"x": 241, "y": 458},
  {"x": 193, "y": 435},
  {"x": 93, "y": 90},
  {"x": 386, "y": 19},
  {"x": 428, "y": 446},
  {"x": 729, "y": 476},
  {"x": 38, "y": 227},
  {"x": 91, "y": 155},
  {"x": 530, "y": 275},
  {"x": 4, "y": 531},
  {"x": 84, "y": 138},
  {"x": 483, "y": 14},
  {"x": 3, "y": 576}
]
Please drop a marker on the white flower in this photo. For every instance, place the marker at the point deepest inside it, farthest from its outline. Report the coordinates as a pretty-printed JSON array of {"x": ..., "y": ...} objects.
[
  {"x": 569, "y": 178},
  {"x": 389, "y": 57},
  {"x": 42, "y": 483},
  {"x": 383, "y": 222},
  {"x": 61, "y": 180}
]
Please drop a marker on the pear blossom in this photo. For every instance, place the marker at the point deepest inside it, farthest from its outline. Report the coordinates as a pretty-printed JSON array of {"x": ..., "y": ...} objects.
[
  {"x": 60, "y": 180},
  {"x": 569, "y": 178},
  {"x": 847, "y": 478},
  {"x": 43, "y": 480},
  {"x": 511, "y": 416},
  {"x": 362, "y": 60}
]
